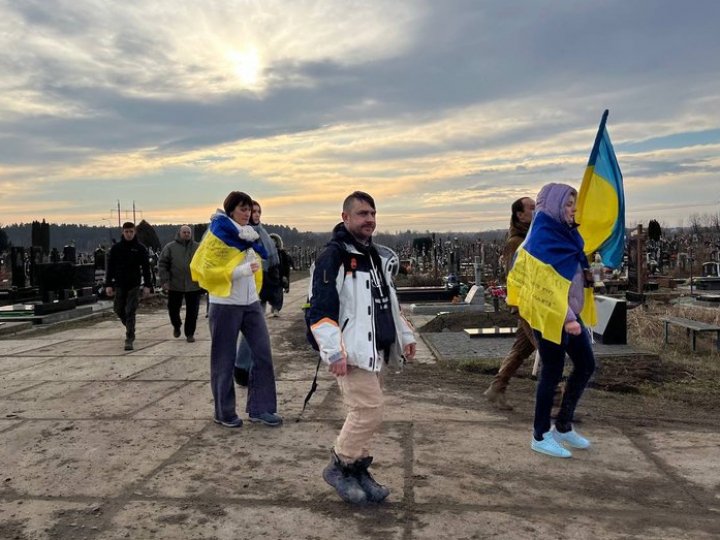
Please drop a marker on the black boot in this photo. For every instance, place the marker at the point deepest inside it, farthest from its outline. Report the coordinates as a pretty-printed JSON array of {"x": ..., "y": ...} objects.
[
  {"x": 375, "y": 492},
  {"x": 341, "y": 477}
]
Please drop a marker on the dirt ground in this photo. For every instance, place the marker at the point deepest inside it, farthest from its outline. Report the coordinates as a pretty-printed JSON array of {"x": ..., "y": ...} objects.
[
  {"x": 97, "y": 443},
  {"x": 678, "y": 384}
]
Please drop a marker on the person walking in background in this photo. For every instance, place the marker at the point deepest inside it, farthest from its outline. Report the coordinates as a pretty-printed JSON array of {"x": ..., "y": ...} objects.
[
  {"x": 226, "y": 265},
  {"x": 355, "y": 319},
  {"x": 271, "y": 291},
  {"x": 128, "y": 267},
  {"x": 548, "y": 283},
  {"x": 284, "y": 266},
  {"x": 524, "y": 345},
  {"x": 175, "y": 278}
]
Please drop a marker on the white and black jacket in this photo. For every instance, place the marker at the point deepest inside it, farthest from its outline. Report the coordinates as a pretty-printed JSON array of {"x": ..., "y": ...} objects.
[{"x": 342, "y": 309}]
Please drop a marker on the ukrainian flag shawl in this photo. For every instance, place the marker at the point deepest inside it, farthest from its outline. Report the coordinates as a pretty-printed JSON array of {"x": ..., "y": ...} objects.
[
  {"x": 539, "y": 280},
  {"x": 219, "y": 252}
]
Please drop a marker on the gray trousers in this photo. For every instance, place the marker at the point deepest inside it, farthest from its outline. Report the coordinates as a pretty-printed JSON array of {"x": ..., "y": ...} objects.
[
  {"x": 125, "y": 305},
  {"x": 226, "y": 322}
]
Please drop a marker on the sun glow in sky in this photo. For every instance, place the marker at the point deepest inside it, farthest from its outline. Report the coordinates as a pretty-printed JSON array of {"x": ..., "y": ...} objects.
[
  {"x": 445, "y": 111},
  {"x": 247, "y": 65}
]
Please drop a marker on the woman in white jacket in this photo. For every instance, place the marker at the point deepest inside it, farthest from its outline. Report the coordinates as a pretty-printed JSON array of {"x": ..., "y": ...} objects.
[{"x": 238, "y": 311}]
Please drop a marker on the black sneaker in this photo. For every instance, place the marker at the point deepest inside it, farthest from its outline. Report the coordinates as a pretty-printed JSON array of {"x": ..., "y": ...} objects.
[
  {"x": 176, "y": 332},
  {"x": 231, "y": 424},
  {"x": 129, "y": 345},
  {"x": 269, "y": 419},
  {"x": 190, "y": 339}
]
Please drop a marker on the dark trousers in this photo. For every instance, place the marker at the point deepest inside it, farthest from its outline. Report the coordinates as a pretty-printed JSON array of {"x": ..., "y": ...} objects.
[
  {"x": 552, "y": 355},
  {"x": 125, "y": 305},
  {"x": 226, "y": 322},
  {"x": 243, "y": 358},
  {"x": 192, "y": 306}
]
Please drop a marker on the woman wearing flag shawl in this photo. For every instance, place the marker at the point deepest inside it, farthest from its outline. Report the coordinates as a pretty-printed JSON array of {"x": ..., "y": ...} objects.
[
  {"x": 225, "y": 264},
  {"x": 547, "y": 284}
]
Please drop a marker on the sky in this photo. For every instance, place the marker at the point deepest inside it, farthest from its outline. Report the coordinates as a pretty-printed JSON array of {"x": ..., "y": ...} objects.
[{"x": 444, "y": 111}]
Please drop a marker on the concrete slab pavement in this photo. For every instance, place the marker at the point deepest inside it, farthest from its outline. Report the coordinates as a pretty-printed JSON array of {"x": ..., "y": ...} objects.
[{"x": 96, "y": 442}]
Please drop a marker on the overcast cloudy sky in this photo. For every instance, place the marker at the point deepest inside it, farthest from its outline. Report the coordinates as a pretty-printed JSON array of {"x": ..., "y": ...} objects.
[{"x": 446, "y": 111}]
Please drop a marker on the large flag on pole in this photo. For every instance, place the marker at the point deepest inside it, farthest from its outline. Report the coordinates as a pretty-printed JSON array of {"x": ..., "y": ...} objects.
[{"x": 601, "y": 202}]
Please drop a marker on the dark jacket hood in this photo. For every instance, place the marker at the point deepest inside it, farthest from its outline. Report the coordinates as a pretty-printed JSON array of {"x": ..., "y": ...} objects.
[{"x": 341, "y": 234}]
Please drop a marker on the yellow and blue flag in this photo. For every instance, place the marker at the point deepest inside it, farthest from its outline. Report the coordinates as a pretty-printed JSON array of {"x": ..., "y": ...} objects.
[
  {"x": 543, "y": 269},
  {"x": 601, "y": 202},
  {"x": 219, "y": 252}
]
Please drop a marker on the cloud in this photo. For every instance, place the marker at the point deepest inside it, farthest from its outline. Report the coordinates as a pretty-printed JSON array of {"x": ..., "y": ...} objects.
[{"x": 446, "y": 112}]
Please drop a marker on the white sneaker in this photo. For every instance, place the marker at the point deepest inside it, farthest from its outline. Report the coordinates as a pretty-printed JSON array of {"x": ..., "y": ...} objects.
[
  {"x": 572, "y": 438},
  {"x": 549, "y": 446}
]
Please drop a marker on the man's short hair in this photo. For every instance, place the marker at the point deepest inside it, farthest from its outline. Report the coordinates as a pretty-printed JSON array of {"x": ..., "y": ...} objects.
[
  {"x": 517, "y": 206},
  {"x": 234, "y": 199},
  {"x": 128, "y": 225},
  {"x": 357, "y": 196}
]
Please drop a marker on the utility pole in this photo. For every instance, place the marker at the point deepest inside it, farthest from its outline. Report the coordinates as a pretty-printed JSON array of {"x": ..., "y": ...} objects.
[
  {"x": 134, "y": 221},
  {"x": 119, "y": 226}
]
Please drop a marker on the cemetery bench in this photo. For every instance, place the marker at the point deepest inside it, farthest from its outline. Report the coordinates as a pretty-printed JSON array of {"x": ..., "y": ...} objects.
[{"x": 692, "y": 328}]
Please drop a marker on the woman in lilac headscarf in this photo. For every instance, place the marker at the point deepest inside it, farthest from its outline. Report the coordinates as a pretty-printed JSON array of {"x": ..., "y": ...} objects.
[{"x": 558, "y": 204}]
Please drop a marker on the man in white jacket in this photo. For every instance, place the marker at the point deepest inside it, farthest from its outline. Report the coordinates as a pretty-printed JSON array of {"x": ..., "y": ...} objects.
[{"x": 356, "y": 321}]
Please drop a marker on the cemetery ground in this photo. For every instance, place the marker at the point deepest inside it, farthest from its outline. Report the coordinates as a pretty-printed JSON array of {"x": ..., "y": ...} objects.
[{"x": 100, "y": 443}]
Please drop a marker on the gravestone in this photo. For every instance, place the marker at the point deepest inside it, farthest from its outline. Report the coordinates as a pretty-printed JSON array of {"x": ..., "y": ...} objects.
[
  {"x": 69, "y": 254},
  {"x": 17, "y": 266},
  {"x": 475, "y": 296},
  {"x": 611, "y": 327},
  {"x": 53, "y": 279}
]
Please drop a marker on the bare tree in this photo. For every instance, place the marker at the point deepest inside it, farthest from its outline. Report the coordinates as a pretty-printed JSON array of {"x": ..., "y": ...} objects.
[
  {"x": 715, "y": 222},
  {"x": 695, "y": 222}
]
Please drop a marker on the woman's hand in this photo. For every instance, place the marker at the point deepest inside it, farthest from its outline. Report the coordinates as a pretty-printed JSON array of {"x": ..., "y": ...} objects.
[
  {"x": 573, "y": 328},
  {"x": 254, "y": 266}
]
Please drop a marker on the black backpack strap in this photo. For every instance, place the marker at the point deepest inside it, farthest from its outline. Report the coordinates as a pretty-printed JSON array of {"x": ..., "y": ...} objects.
[
  {"x": 347, "y": 268},
  {"x": 313, "y": 387}
]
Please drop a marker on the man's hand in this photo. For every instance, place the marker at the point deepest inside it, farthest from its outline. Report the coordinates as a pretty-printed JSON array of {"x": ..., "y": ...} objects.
[
  {"x": 409, "y": 351},
  {"x": 110, "y": 292},
  {"x": 573, "y": 328},
  {"x": 146, "y": 292},
  {"x": 339, "y": 368}
]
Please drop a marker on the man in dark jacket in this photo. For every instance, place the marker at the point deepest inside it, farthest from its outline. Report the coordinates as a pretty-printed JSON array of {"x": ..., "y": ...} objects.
[
  {"x": 127, "y": 266},
  {"x": 522, "y": 212},
  {"x": 174, "y": 265}
]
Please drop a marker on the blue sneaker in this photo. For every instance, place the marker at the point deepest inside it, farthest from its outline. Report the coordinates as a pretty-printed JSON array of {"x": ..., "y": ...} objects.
[
  {"x": 269, "y": 419},
  {"x": 231, "y": 424},
  {"x": 572, "y": 438},
  {"x": 550, "y": 447}
]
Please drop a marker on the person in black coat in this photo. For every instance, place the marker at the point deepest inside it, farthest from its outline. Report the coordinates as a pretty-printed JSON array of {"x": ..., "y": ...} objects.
[{"x": 128, "y": 268}]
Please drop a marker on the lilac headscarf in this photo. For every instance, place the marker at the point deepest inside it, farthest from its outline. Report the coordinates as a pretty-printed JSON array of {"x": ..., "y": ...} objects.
[{"x": 552, "y": 198}]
